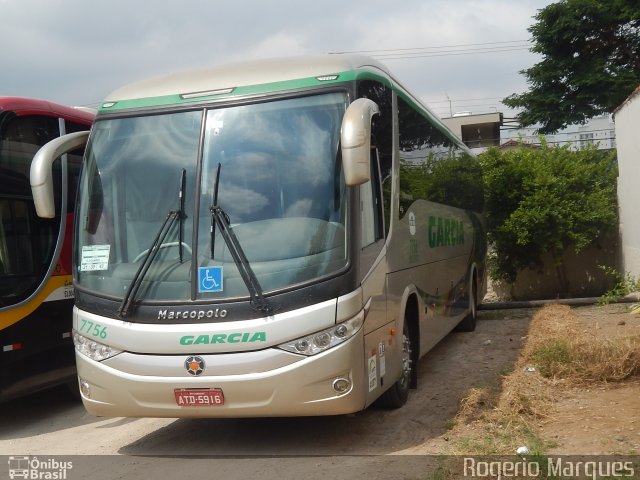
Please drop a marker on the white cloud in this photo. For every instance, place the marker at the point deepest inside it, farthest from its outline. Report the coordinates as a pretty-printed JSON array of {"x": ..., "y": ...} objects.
[
  {"x": 76, "y": 52},
  {"x": 280, "y": 44}
]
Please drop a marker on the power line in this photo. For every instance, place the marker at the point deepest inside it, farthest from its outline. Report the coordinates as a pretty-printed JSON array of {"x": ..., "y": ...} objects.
[
  {"x": 384, "y": 51},
  {"x": 446, "y": 50},
  {"x": 464, "y": 100},
  {"x": 450, "y": 53}
]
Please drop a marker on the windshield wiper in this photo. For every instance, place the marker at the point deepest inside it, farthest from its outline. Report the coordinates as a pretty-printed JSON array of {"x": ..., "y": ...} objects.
[
  {"x": 214, "y": 203},
  {"x": 220, "y": 219},
  {"x": 183, "y": 179},
  {"x": 152, "y": 252}
]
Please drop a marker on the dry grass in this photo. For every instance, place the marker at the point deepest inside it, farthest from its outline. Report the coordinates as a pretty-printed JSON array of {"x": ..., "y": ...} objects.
[
  {"x": 561, "y": 348},
  {"x": 474, "y": 405},
  {"x": 558, "y": 352}
]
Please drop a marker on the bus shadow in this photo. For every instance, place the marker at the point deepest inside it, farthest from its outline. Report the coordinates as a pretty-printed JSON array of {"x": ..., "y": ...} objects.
[
  {"x": 461, "y": 361},
  {"x": 23, "y": 416}
]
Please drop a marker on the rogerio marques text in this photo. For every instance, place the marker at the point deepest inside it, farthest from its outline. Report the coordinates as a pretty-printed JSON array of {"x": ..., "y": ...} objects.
[{"x": 558, "y": 467}]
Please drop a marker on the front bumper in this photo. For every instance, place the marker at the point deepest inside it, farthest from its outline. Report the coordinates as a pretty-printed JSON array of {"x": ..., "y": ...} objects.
[{"x": 263, "y": 383}]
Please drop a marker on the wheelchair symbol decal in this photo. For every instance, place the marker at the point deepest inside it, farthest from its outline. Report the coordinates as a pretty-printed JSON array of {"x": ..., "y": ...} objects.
[{"x": 210, "y": 279}]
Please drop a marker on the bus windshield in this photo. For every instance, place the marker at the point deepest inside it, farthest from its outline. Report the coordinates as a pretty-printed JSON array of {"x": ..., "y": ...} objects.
[
  {"x": 273, "y": 168},
  {"x": 27, "y": 243}
]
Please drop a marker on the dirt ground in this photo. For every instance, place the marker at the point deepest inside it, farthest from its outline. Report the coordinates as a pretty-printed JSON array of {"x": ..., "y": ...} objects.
[
  {"x": 597, "y": 419},
  {"x": 602, "y": 419}
]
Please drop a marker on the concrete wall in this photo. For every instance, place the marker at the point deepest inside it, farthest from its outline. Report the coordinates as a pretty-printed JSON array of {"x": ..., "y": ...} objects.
[
  {"x": 627, "y": 121},
  {"x": 584, "y": 272}
]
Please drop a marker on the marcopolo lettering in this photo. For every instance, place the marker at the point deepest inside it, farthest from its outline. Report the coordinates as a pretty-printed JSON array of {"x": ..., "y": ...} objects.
[
  {"x": 191, "y": 314},
  {"x": 445, "y": 232},
  {"x": 237, "y": 337}
]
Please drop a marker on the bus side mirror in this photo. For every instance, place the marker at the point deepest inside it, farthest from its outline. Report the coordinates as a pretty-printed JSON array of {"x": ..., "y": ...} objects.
[
  {"x": 41, "y": 176},
  {"x": 355, "y": 139}
]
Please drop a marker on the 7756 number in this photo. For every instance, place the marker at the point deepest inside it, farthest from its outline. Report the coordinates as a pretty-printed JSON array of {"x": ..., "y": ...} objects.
[{"x": 93, "y": 329}]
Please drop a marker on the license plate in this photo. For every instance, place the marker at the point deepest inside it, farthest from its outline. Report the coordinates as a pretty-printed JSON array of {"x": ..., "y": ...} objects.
[{"x": 199, "y": 397}]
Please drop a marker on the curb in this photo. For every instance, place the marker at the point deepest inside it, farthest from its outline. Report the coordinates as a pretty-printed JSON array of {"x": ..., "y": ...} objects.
[{"x": 573, "y": 302}]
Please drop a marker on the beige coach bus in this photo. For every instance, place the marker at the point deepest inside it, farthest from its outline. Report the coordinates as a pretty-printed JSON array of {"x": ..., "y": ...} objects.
[{"x": 272, "y": 238}]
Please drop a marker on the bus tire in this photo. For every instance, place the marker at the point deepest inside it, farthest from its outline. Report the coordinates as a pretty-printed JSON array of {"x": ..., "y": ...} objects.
[
  {"x": 468, "y": 323},
  {"x": 397, "y": 395}
]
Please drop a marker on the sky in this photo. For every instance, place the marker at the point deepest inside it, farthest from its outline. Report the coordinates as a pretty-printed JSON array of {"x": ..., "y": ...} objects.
[{"x": 456, "y": 55}]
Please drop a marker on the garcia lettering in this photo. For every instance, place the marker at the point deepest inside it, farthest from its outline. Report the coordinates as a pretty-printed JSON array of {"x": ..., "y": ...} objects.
[
  {"x": 445, "y": 232},
  {"x": 236, "y": 337}
]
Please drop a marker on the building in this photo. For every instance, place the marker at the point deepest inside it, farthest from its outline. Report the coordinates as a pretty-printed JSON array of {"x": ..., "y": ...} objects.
[
  {"x": 627, "y": 119},
  {"x": 599, "y": 131},
  {"x": 484, "y": 130},
  {"x": 479, "y": 131}
]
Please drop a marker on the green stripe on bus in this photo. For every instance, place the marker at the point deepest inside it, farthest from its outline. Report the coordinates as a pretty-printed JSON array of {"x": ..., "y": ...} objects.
[{"x": 248, "y": 90}]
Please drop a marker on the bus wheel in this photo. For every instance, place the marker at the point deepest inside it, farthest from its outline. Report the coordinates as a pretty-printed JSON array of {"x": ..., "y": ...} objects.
[
  {"x": 468, "y": 323},
  {"x": 398, "y": 394}
]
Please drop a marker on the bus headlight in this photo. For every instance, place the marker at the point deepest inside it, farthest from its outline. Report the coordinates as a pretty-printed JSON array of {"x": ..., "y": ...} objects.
[
  {"x": 92, "y": 349},
  {"x": 325, "y": 339}
]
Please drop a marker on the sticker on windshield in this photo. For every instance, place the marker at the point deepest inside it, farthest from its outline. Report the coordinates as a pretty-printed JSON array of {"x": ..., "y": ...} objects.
[
  {"x": 209, "y": 279},
  {"x": 94, "y": 258}
]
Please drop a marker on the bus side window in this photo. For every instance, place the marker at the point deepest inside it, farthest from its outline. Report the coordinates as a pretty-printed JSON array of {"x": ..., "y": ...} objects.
[
  {"x": 371, "y": 216},
  {"x": 382, "y": 139},
  {"x": 371, "y": 205}
]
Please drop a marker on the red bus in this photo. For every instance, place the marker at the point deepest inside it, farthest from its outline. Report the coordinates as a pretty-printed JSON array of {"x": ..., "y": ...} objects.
[{"x": 36, "y": 292}]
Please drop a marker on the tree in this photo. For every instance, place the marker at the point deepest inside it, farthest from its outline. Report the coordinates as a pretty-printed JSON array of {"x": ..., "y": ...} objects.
[
  {"x": 546, "y": 200},
  {"x": 590, "y": 62}
]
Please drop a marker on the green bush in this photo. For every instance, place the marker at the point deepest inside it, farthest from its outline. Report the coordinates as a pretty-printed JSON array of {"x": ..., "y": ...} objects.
[
  {"x": 547, "y": 199},
  {"x": 623, "y": 285}
]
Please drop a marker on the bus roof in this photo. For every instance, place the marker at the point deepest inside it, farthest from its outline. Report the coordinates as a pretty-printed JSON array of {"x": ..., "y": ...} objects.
[
  {"x": 256, "y": 77},
  {"x": 32, "y": 106},
  {"x": 223, "y": 78}
]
